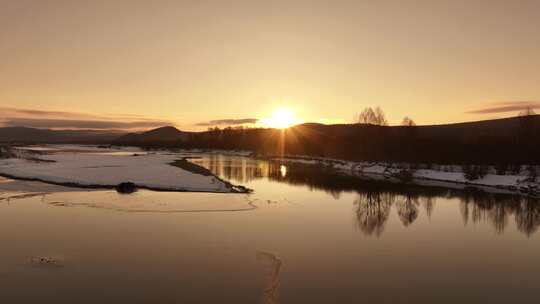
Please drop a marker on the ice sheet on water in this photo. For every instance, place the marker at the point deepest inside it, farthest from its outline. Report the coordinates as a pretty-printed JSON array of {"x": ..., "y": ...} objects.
[{"x": 152, "y": 201}]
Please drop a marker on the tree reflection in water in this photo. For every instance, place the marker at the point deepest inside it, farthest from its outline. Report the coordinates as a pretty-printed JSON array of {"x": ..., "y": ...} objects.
[
  {"x": 407, "y": 209},
  {"x": 375, "y": 198},
  {"x": 528, "y": 216},
  {"x": 496, "y": 209},
  {"x": 429, "y": 205},
  {"x": 372, "y": 211}
]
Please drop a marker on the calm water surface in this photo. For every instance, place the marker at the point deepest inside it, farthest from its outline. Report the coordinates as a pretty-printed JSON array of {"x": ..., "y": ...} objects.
[{"x": 303, "y": 236}]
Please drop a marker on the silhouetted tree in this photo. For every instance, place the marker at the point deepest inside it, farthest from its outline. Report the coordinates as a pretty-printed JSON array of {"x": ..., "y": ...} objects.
[
  {"x": 532, "y": 173},
  {"x": 408, "y": 139},
  {"x": 527, "y": 112},
  {"x": 527, "y": 125},
  {"x": 501, "y": 169},
  {"x": 367, "y": 116},
  {"x": 408, "y": 122},
  {"x": 474, "y": 172},
  {"x": 380, "y": 117},
  {"x": 373, "y": 117}
]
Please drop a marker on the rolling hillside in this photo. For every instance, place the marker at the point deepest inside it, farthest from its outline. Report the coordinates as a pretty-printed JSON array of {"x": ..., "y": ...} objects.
[
  {"x": 32, "y": 135},
  {"x": 492, "y": 141}
]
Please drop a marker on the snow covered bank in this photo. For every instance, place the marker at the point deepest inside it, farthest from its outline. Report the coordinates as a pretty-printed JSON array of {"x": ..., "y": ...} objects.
[
  {"x": 516, "y": 183},
  {"x": 107, "y": 170}
]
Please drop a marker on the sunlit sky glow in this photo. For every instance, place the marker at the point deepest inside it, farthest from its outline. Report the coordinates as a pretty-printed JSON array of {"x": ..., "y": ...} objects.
[
  {"x": 191, "y": 62},
  {"x": 281, "y": 118}
]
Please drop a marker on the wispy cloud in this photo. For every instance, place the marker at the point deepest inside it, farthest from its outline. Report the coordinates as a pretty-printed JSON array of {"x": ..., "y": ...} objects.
[
  {"x": 506, "y": 106},
  {"x": 227, "y": 122},
  {"x": 11, "y": 117},
  {"x": 82, "y": 124},
  {"x": 18, "y": 112}
]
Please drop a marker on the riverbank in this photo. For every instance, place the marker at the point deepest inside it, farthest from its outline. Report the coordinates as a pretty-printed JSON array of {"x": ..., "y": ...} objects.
[{"x": 445, "y": 175}]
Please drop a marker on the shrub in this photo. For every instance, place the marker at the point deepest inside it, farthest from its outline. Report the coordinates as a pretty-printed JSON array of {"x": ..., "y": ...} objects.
[
  {"x": 532, "y": 173},
  {"x": 474, "y": 172},
  {"x": 6, "y": 152},
  {"x": 405, "y": 175},
  {"x": 126, "y": 188},
  {"x": 501, "y": 169},
  {"x": 515, "y": 169}
]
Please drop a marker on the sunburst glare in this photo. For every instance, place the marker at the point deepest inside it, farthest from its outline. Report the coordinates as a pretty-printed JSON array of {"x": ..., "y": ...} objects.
[{"x": 281, "y": 118}]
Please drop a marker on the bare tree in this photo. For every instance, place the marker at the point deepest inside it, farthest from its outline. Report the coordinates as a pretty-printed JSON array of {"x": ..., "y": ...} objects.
[
  {"x": 408, "y": 122},
  {"x": 380, "y": 117},
  {"x": 367, "y": 116},
  {"x": 373, "y": 117},
  {"x": 527, "y": 112},
  {"x": 526, "y": 123}
]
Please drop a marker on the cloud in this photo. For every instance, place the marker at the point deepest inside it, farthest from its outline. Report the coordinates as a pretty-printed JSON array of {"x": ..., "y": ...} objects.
[
  {"x": 507, "y": 106},
  {"x": 16, "y": 112},
  {"x": 227, "y": 122},
  {"x": 11, "y": 117},
  {"x": 82, "y": 124}
]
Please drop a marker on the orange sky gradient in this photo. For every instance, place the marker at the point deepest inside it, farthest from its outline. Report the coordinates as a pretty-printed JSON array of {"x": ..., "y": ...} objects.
[{"x": 190, "y": 62}]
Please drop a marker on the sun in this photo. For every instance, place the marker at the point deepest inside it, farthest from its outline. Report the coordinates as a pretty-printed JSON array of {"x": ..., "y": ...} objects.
[{"x": 281, "y": 118}]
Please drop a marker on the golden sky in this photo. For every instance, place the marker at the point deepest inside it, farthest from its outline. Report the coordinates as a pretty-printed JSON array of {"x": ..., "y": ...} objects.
[{"x": 189, "y": 62}]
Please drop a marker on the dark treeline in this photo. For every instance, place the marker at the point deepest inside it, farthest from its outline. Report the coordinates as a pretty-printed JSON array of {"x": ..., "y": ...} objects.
[{"x": 510, "y": 141}]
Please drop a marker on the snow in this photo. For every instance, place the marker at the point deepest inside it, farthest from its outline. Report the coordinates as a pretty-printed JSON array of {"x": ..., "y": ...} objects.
[
  {"x": 458, "y": 177},
  {"x": 445, "y": 174},
  {"x": 68, "y": 147},
  {"x": 109, "y": 169},
  {"x": 92, "y": 166},
  {"x": 81, "y": 149}
]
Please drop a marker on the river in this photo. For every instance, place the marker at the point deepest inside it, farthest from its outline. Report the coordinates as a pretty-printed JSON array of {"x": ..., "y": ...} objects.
[{"x": 304, "y": 235}]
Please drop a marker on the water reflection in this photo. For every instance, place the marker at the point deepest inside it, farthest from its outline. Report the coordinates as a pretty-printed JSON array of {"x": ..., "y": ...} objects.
[
  {"x": 372, "y": 211},
  {"x": 497, "y": 209},
  {"x": 408, "y": 210},
  {"x": 235, "y": 169},
  {"x": 429, "y": 205},
  {"x": 375, "y": 199}
]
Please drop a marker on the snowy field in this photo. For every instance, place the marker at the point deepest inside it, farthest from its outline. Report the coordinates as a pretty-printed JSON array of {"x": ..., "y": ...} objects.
[{"x": 107, "y": 167}]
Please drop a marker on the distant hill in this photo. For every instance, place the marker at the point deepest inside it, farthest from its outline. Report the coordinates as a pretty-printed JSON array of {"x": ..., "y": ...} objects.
[
  {"x": 32, "y": 135},
  {"x": 160, "y": 136},
  {"x": 504, "y": 127},
  {"x": 509, "y": 140}
]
